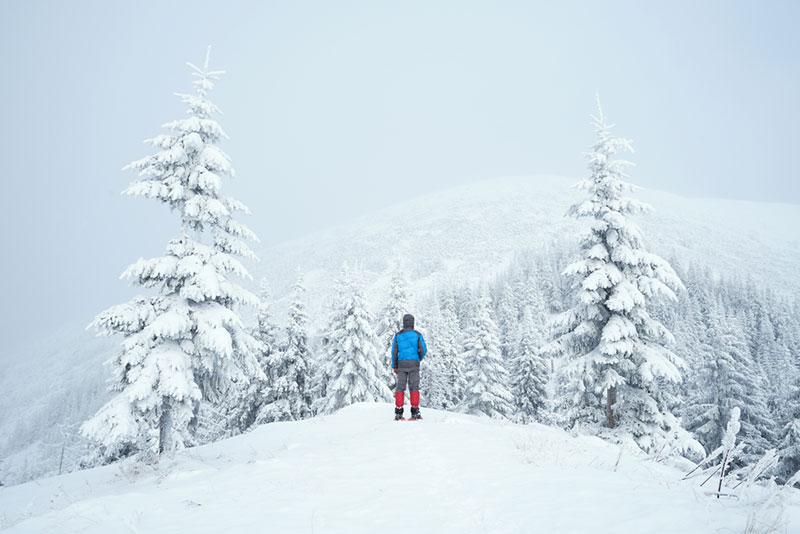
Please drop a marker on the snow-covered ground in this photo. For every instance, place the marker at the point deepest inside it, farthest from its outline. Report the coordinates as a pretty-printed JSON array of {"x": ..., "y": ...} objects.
[{"x": 359, "y": 471}]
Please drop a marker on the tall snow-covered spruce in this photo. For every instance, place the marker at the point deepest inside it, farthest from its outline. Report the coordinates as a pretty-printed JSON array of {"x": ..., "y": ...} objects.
[
  {"x": 185, "y": 344},
  {"x": 728, "y": 378},
  {"x": 790, "y": 436},
  {"x": 289, "y": 397},
  {"x": 487, "y": 379},
  {"x": 618, "y": 355},
  {"x": 442, "y": 380},
  {"x": 247, "y": 400},
  {"x": 390, "y": 321},
  {"x": 529, "y": 371},
  {"x": 353, "y": 369}
]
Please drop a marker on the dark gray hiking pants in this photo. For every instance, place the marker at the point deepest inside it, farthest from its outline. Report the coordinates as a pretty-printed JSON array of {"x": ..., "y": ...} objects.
[{"x": 407, "y": 373}]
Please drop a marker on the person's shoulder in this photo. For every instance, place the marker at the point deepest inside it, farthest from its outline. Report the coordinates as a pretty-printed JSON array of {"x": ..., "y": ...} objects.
[{"x": 404, "y": 331}]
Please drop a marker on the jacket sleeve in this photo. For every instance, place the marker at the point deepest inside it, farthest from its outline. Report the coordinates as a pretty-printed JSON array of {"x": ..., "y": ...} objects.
[
  {"x": 423, "y": 348},
  {"x": 394, "y": 352}
]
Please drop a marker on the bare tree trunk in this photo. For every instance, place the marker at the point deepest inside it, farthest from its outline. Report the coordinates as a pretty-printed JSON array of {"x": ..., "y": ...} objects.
[
  {"x": 722, "y": 474},
  {"x": 165, "y": 428},
  {"x": 611, "y": 400},
  {"x": 61, "y": 460}
]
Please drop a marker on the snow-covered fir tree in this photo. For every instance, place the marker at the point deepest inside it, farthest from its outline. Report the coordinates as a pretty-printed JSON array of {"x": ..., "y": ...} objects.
[
  {"x": 431, "y": 383},
  {"x": 486, "y": 377},
  {"x": 266, "y": 331},
  {"x": 246, "y": 402},
  {"x": 289, "y": 398},
  {"x": 353, "y": 369},
  {"x": 186, "y": 344},
  {"x": 618, "y": 353},
  {"x": 728, "y": 378},
  {"x": 529, "y": 373},
  {"x": 390, "y": 320},
  {"x": 775, "y": 359},
  {"x": 789, "y": 445},
  {"x": 319, "y": 377},
  {"x": 443, "y": 379},
  {"x": 508, "y": 320},
  {"x": 692, "y": 332},
  {"x": 464, "y": 303}
]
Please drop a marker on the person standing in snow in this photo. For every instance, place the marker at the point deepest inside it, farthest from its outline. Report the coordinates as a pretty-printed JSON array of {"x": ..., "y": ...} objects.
[{"x": 408, "y": 350}]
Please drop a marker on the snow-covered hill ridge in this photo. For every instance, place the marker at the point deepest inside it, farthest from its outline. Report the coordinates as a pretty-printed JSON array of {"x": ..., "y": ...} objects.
[
  {"x": 359, "y": 471},
  {"x": 472, "y": 231}
]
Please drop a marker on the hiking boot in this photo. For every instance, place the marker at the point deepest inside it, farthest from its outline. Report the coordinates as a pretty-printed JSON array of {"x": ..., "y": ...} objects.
[
  {"x": 415, "y": 413},
  {"x": 398, "y": 414}
]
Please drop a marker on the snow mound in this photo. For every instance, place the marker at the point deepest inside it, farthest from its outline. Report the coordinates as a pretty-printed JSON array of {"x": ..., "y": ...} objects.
[{"x": 359, "y": 471}]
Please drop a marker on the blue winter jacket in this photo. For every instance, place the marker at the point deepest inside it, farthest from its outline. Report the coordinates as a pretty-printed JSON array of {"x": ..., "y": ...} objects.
[{"x": 408, "y": 344}]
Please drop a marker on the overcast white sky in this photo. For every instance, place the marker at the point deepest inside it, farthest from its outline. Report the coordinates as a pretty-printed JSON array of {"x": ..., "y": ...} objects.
[{"x": 338, "y": 108}]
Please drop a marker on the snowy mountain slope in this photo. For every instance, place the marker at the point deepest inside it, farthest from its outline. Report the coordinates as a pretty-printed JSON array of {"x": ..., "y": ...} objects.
[
  {"x": 359, "y": 471},
  {"x": 49, "y": 386},
  {"x": 465, "y": 233},
  {"x": 471, "y": 232}
]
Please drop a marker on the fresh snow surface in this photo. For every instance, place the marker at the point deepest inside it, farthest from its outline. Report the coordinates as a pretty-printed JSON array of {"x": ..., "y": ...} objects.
[{"x": 357, "y": 470}]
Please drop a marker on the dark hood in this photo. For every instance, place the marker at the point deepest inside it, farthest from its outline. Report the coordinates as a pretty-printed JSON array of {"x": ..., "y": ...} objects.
[{"x": 408, "y": 322}]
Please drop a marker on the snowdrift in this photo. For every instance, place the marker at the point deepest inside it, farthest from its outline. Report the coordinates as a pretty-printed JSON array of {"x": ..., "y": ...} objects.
[{"x": 358, "y": 471}]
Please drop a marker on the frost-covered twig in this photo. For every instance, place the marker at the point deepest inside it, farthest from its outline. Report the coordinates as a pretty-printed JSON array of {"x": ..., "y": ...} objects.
[
  {"x": 714, "y": 472},
  {"x": 619, "y": 457},
  {"x": 704, "y": 461},
  {"x": 767, "y": 462},
  {"x": 729, "y": 445}
]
